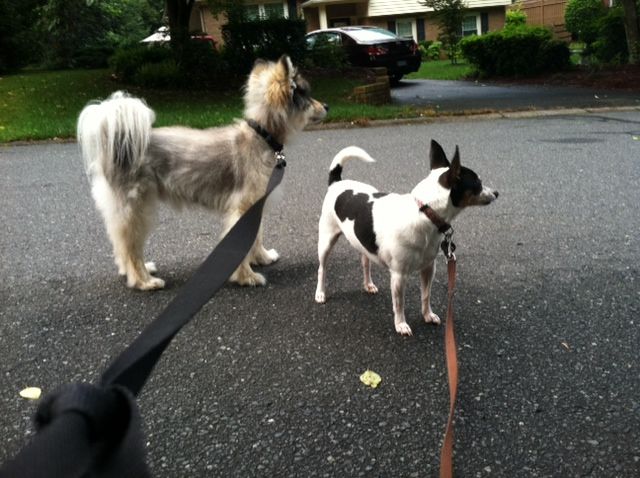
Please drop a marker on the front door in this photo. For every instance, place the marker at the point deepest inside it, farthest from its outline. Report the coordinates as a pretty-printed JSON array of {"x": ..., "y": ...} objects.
[{"x": 339, "y": 22}]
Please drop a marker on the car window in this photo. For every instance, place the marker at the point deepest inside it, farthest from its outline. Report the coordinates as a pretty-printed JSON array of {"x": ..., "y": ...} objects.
[
  {"x": 372, "y": 34},
  {"x": 333, "y": 38},
  {"x": 311, "y": 40},
  {"x": 347, "y": 40},
  {"x": 323, "y": 39}
]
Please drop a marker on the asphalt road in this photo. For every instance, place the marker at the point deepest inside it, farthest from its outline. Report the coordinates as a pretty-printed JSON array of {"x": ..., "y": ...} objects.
[
  {"x": 456, "y": 96},
  {"x": 264, "y": 382}
]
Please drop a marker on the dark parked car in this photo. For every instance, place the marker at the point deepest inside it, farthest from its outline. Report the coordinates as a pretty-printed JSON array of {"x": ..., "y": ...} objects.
[{"x": 371, "y": 47}]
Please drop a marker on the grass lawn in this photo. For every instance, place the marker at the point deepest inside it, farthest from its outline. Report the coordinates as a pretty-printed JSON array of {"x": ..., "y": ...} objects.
[
  {"x": 46, "y": 104},
  {"x": 42, "y": 105},
  {"x": 441, "y": 70}
]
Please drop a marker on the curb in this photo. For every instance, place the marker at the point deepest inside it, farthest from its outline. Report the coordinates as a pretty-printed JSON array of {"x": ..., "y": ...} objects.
[
  {"x": 455, "y": 117},
  {"x": 447, "y": 117}
]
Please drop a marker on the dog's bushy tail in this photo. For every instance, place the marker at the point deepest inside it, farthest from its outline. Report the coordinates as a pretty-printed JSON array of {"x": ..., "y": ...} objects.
[
  {"x": 347, "y": 154},
  {"x": 114, "y": 134}
]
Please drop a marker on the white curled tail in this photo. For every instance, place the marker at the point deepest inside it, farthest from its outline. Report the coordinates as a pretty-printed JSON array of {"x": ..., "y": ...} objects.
[
  {"x": 347, "y": 154},
  {"x": 114, "y": 134}
]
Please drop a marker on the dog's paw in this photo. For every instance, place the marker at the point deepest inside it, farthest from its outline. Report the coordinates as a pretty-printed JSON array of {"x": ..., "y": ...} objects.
[
  {"x": 403, "y": 328},
  {"x": 152, "y": 284},
  {"x": 122, "y": 270},
  {"x": 151, "y": 267},
  {"x": 265, "y": 257},
  {"x": 371, "y": 288},
  {"x": 320, "y": 298},
  {"x": 432, "y": 318},
  {"x": 252, "y": 279},
  {"x": 272, "y": 256}
]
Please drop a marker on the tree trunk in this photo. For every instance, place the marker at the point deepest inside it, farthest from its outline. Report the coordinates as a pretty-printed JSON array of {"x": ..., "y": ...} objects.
[
  {"x": 632, "y": 30},
  {"x": 179, "y": 13}
]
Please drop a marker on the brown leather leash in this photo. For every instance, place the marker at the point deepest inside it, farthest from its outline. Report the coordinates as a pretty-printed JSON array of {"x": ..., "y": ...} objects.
[{"x": 450, "y": 347}]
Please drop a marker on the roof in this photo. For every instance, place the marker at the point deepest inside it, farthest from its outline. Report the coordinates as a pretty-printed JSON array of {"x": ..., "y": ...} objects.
[
  {"x": 377, "y": 8},
  {"x": 315, "y": 3},
  {"x": 160, "y": 35}
]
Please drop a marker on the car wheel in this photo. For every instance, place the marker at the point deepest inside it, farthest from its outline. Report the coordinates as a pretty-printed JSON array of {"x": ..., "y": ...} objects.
[{"x": 395, "y": 78}]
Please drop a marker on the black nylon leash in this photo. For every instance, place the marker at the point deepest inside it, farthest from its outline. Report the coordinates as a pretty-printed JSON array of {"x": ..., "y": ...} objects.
[{"x": 89, "y": 431}]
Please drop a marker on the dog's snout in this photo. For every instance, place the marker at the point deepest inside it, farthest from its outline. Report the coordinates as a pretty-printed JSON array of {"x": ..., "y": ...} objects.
[
  {"x": 326, "y": 107},
  {"x": 496, "y": 194}
]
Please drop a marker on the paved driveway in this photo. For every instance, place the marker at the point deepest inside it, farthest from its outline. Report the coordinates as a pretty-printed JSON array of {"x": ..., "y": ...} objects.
[
  {"x": 264, "y": 382},
  {"x": 468, "y": 95}
]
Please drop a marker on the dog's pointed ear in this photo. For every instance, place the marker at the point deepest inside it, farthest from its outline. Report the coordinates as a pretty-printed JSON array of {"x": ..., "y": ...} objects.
[
  {"x": 287, "y": 67},
  {"x": 454, "y": 169},
  {"x": 452, "y": 176},
  {"x": 437, "y": 157}
]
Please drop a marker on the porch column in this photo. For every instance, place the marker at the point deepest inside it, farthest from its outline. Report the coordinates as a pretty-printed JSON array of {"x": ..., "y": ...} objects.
[{"x": 322, "y": 13}]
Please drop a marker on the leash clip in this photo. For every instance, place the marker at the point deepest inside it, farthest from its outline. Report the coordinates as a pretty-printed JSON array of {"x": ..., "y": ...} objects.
[
  {"x": 280, "y": 159},
  {"x": 447, "y": 245}
]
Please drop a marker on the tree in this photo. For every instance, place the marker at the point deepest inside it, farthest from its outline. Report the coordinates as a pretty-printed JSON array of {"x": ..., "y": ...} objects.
[
  {"x": 18, "y": 46},
  {"x": 179, "y": 14},
  {"x": 68, "y": 26},
  {"x": 449, "y": 15},
  {"x": 581, "y": 19},
  {"x": 78, "y": 33},
  {"x": 632, "y": 29}
]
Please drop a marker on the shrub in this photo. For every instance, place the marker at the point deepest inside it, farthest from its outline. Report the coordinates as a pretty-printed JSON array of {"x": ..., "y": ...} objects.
[
  {"x": 92, "y": 57},
  {"x": 128, "y": 60},
  {"x": 247, "y": 40},
  {"x": 515, "y": 51},
  {"x": 434, "y": 50},
  {"x": 430, "y": 50},
  {"x": 202, "y": 64},
  {"x": 166, "y": 74}
]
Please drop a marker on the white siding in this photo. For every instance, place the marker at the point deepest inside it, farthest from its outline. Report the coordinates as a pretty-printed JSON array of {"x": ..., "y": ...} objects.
[
  {"x": 487, "y": 3},
  {"x": 378, "y": 8},
  {"x": 381, "y": 8}
]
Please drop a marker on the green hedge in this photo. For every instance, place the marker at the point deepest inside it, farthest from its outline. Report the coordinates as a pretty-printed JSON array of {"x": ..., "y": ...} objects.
[
  {"x": 515, "y": 51},
  {"x": 128, "y": 60},
  {"x": 247, "y": 40},
  {"x": 201, "y": 66},
  {"x": 156, "y": 67},
  {"x": 165, "y": 74}
]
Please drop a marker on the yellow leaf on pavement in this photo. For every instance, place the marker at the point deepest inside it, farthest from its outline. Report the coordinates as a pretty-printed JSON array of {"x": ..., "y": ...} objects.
[
  {"x": 370, "y": 378},
  {"x": 31, "y": 393}
]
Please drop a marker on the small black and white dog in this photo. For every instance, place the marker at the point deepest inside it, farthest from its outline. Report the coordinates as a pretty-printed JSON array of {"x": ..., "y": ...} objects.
[{"x": 400, "y": 231}]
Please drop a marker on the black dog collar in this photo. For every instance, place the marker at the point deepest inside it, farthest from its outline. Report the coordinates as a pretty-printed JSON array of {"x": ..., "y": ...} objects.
[{"x": 268, "y": 137}]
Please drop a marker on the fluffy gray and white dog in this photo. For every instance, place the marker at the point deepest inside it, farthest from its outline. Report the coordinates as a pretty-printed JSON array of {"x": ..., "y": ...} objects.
[{"x": 132, "y": 165}]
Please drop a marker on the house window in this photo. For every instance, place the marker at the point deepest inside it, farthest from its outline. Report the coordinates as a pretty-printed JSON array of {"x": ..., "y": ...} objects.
[
  {"x": 471, "y": 25},
  {"x": 273, "y": 10},
  {"x": 404, "y": 28},
  {"x": 257, "y": 11},
  {"x": 252, "y": 11}
]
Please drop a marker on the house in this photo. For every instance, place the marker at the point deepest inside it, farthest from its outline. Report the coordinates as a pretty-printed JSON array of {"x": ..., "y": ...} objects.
[{"x": 404, "y": 17}]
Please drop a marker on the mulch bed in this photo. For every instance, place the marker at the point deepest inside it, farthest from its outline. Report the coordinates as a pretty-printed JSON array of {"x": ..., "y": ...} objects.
[{"x": 625, "y": 77}]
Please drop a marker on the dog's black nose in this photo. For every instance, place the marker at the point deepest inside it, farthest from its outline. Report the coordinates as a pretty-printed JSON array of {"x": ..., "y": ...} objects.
[
  {"x": 496, "y": 194},
  {"x": 326, "y": 107}
]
